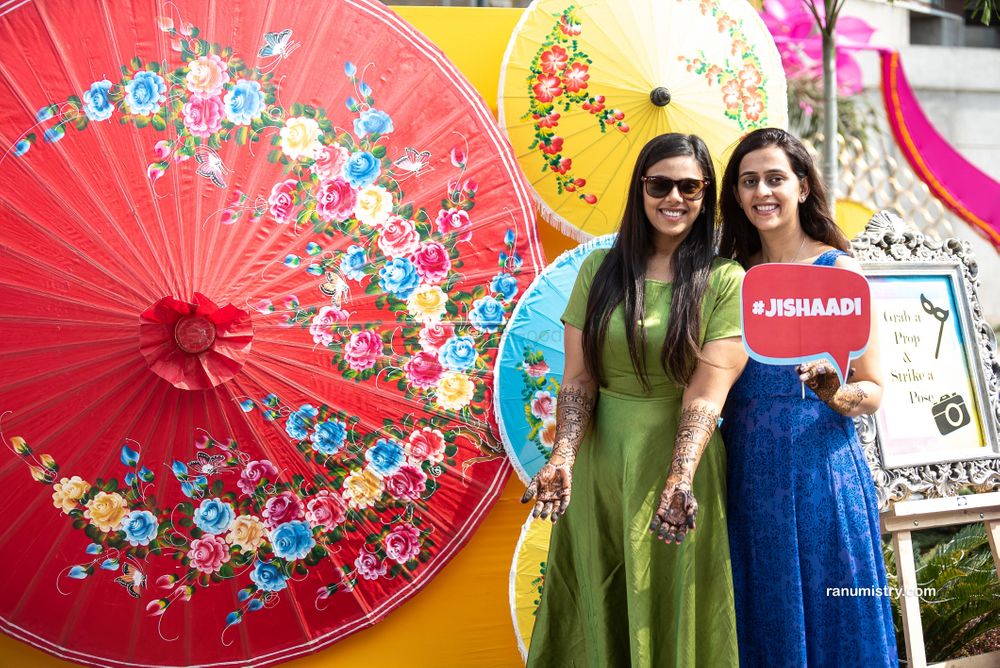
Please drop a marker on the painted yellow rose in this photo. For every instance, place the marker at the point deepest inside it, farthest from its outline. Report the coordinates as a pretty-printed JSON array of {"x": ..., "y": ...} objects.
[
  {"x": 373, "y": 206},
  {"x": 547, "y": 433},
  {"x": 106, "y": 511},
  {"x": 362, "y": 489},
  {"x": 427, "y": 303},
  {"x": 68, "y": 491},
  {"x": 300, "y": 138},
  {"x": 247, "y": 532},
  {"x": 454, "y": 391},
  {"x": 207, "y": 75}
]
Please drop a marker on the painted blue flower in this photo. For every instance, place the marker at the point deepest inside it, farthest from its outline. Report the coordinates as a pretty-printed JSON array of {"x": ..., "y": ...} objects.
[
  {"x": 21, "y": 147},
  {"x": 329, "y": 437},
  {"x": 140, "y": 527},
  {"x": 44, "y": 114},
  {"x": 292, "y": 540},
  {"x": 267, "y": 576},
  {"x": 362, "y": 169},
  {"x": 145, "y": 93},
  {"x": 300, "y": 421},
  {"x": 372, "y": 121},
  {"x": 244, "y": 103},
  {"x": 96, "y": 104},
  {"x": 505, "y": 284},
  {"x": 458, "y": 353},
  {"x": 386, "y": 457},
  {"x": 214, "y": 516},
  {"x": 353, "y": 262},
  {"x": 487, "y": 314},
  {"x": 350, "y": 69},
  {"x": 399, "y": 277},
  {"x": 54, "y": 134}
]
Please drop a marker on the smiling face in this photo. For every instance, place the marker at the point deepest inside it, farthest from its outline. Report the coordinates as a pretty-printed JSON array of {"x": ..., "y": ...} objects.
[
  {"x": 672, "y": 216},
  {"x": 768, "y": 190}
]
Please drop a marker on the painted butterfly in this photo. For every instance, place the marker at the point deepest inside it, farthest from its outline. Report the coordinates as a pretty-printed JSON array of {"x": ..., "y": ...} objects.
[
  {"x": 278, "y": 44},
  {"x": 335, "y": 287},
  {"x": 414, "y": 162},
  {"x": 133, "y": 579},
  {"x": 210, "y": 166}
]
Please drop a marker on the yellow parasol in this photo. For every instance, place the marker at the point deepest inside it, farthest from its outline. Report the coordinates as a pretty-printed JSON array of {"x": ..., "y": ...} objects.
[
  {"x": 527, "y": 575},
  {"x": 586, "y": 84}
]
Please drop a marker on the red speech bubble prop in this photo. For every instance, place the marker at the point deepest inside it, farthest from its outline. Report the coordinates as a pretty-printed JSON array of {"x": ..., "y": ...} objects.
[{"x": 793, "y": 313}]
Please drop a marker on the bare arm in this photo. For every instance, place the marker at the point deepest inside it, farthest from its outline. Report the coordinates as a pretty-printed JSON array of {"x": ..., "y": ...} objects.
[
  {"x": 702, "y": 403},
  {"x": 861, "y": 396},
  {"x": 574, "y": 410}
]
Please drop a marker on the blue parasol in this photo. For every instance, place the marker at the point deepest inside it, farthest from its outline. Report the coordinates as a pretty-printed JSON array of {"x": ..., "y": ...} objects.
[{"x": 530, "y": 362}]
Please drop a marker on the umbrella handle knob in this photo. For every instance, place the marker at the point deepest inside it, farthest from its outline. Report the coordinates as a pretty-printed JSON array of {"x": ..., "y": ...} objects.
[{"x": 660, "y": 96}]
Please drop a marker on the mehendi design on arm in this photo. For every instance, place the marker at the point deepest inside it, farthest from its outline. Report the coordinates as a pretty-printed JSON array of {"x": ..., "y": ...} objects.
[
  {"x": 678, "y": 508},
  {"x": 551, "y": 486}
]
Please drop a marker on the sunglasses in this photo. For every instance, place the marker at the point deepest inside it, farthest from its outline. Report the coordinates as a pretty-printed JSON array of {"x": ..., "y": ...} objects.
[{"x": 661, "y": 186}]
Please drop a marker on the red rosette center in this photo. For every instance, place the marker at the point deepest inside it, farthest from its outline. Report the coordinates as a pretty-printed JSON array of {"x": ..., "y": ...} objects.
[
  {"x": 194, "y": 334},
  {"x": 194, "y": 345}
]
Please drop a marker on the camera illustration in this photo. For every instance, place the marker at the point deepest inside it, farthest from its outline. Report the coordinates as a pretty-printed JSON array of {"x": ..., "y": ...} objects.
[{"x": 950, "y": 413}]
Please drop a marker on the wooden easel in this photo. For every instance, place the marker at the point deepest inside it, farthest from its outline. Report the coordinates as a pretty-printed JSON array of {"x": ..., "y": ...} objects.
[{"x": 908, "y": 516}]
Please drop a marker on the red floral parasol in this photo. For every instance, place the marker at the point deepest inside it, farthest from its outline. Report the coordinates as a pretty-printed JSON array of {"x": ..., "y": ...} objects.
[{"x": 256, "y": 260}]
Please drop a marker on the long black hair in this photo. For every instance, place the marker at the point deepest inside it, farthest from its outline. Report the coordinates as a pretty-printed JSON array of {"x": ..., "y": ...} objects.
[
  {"x": 621, "y": 276},
  {"x": 740, "y": 239}
]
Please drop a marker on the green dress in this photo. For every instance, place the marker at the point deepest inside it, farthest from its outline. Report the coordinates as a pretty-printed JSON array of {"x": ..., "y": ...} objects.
[{"x": 613, "y": 595}]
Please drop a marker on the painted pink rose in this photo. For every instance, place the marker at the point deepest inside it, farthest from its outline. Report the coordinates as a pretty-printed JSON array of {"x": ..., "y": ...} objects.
[
  {"x": 325, "y": 510},
  {"x": 330, "y": 161},
  {"x": 203, "y": 115},
  {"x": 423, "y": 370},
  {"x": 254, "y": 472},
  {"x": 369, "y": 567},
  {"x": 208, "y": 553},
  {"x": 324, "y": 324},
  {"x": 431, "y": 261},
  {"x": 455, "y": 221},
  {"x": 432, "y": 337},
  {"x": 538, "y": 369},
  {"x": 281, "y": 201},
  {"x": 543, "y": 405},
  {"x": 398, "y": 237},
  {"x": 335, "y": 199},
  {"x": 425, "y": 444},
  {"x": 362, "y": 350},
  {"x": 408, "y": 483},
  {"x": 282, "y": 508},
  {"x": 403, "y": 543}
]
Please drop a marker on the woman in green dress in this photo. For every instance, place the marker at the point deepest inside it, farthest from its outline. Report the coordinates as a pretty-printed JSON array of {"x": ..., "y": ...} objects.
[{"x": 652, "y": 347}]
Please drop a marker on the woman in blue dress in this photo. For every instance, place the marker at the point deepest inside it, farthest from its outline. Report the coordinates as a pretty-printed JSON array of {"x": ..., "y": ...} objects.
[{"x": 802, "y": 512}]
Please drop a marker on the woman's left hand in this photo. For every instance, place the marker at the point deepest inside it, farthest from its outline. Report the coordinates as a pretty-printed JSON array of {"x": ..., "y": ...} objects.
[
  {"x": 676, "y": 514},
  {"x": 822, "y": 379}
]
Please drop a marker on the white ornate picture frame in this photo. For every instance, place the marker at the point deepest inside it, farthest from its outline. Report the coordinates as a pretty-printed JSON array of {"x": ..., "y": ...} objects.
[{"x": 936, "y": 432}]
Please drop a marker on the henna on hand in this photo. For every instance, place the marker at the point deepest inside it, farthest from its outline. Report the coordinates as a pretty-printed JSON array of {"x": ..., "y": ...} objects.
[
  {"x": 551, "y": 485},
  {"x": 675, "y": 515},
  {"x": 822, "y": 379}
]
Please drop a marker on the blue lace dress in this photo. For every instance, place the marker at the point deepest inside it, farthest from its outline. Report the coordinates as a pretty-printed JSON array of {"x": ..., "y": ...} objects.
[{"x": 803, "y": 520}]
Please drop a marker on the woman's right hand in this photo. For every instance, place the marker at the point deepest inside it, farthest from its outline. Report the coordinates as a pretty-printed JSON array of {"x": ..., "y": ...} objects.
[{"x": 551, "y": 488}]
